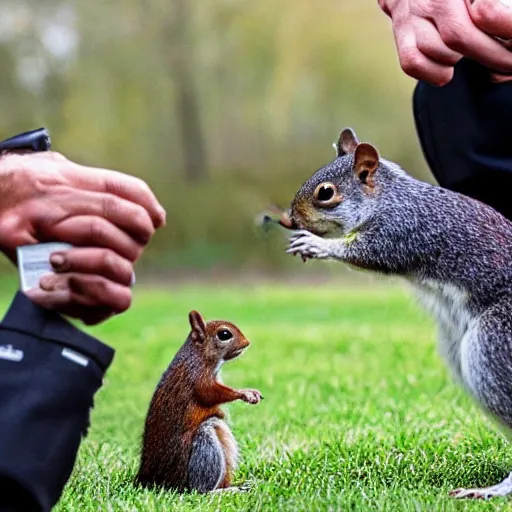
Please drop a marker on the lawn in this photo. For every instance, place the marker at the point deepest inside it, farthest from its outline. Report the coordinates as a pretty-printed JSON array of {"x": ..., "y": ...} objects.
[{"x": 359, "y": 411}]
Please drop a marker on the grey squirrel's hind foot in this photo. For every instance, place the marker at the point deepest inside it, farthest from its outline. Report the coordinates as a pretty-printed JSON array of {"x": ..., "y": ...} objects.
[{"x": 502, "y": 489}]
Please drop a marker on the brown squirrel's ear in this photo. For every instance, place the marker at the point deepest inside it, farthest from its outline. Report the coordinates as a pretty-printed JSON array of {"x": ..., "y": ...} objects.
[
  {"x": 366, "y": 161},
  {"x": 198, "y": 327},
  {"x": 347, "y": 142}
]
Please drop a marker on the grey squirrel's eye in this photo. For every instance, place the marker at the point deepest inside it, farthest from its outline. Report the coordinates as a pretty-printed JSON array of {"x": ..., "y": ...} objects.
[
  {"x": 224, "y": 335},
  {"x": 326, "y": 194}
]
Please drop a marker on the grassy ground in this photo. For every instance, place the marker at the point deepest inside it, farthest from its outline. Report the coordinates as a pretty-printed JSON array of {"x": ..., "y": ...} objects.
[{"x": 359, "y": 412}]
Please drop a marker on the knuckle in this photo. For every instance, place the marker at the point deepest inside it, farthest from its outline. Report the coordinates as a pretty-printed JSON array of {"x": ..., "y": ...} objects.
[
  {"x": 116, "y": 298},
  {"x": 410, "y": 62},
  {"x": 126, "y": 271},
  {"x": 10, "y": 223},
  {"x": 442, "y": 80},
  {"x": 142, "y": 221},
  {"x": 108, "y": 205},
  {"x": 478, "y": 16},
  {"x": 135, "y": 251},
  {"x": 483, "y": 12},
  {"x": 96, "y": 229},
  {"x": 143, "y": 186},
  {"x": 109, "y": 260},
  {"x": 99, "y": 291},
  {"x": 453, "y": 36}
]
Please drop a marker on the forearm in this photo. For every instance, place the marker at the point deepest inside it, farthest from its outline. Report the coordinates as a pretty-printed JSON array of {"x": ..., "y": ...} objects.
[
  {"x": 215, "y": 393},
  {"x": 49, "y": 373}
]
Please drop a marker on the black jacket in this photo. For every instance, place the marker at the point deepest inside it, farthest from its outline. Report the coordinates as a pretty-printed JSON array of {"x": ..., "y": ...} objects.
[
  {"x": 49, "y": 373},
  {"x": 465, "y": 130}
]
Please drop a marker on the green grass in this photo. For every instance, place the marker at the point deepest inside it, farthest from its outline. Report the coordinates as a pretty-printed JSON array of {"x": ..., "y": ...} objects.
[{"x": 359, "y": 411}]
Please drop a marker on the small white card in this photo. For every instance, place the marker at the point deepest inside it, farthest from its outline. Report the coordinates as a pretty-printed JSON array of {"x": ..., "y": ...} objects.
[{"x": 34, "y": 262}]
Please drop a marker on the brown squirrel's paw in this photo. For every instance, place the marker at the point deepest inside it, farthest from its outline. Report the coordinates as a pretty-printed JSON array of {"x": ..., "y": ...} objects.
[
  {"x": 308, "y": 245},
  {"x": 251, "y": 396}
]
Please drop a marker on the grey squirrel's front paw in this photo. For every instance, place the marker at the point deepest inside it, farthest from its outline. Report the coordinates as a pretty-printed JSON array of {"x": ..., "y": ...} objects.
[{"x": 308, "y": 245}]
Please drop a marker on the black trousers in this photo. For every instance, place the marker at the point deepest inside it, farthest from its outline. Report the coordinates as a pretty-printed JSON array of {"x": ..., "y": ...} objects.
[
  {"x": 49, "y": 373},
  {"x": 465, "y": 130}
]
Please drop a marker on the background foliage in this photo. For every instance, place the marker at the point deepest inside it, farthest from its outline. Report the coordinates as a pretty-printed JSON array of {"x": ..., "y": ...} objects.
[{"x": 224, "y": 107}]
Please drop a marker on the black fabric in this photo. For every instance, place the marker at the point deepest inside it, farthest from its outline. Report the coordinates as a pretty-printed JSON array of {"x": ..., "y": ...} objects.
[
  {"x": 465, "y": 130},
  {"x": 49, "y": 373}
]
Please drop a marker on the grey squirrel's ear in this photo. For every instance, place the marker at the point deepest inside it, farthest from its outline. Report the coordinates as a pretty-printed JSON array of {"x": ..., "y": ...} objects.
[
  {"x": 347, "y": 142},
  {"x": 366, "y": 161},
  {"x": 198, "y": 326}
]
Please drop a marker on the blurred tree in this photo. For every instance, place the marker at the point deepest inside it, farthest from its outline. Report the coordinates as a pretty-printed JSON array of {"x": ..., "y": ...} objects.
[{"x": 175, "y": 31}]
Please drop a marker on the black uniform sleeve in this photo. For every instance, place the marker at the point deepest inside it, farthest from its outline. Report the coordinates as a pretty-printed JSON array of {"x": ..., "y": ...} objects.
[
  {"x": 49, "y": 373},
  {"x": 465, "y": 131}
]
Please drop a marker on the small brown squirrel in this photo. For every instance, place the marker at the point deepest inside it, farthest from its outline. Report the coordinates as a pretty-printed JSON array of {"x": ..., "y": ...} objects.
[{"x": 187, "y": 445}]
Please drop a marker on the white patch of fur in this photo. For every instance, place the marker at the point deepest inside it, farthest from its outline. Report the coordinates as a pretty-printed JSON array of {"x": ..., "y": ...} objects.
[
  {"x": 216, "y": 372},
  {"x": 469, "y": 358},
  {"x": 448, "y": 305}
]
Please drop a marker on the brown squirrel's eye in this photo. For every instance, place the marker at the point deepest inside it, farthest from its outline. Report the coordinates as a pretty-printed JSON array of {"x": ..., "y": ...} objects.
[
  {"x": 224, "y": 335},
  {"x": 326, "y": 194}
]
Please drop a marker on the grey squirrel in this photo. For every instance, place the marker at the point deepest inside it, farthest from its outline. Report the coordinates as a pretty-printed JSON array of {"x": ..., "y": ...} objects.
[
  {"x": 186, "y": 444},
  {"x": 456, "y": 252}
]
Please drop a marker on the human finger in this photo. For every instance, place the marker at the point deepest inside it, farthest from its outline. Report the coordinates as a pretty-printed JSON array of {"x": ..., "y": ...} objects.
[
  {"x": 93, "y": 260},
  {"x": 114, "y": 182},
  {"x": 90, "y": 293},
  {"x": 61, "y": 301},
  {"x": 89, "y": 231},
  {"x": 430, "y": 44},
  {"x": 97, "y": 291},
  {"x": 496, "y": 78},
  {"x": 416, "y": 64},
  {"x": 460, "y": 34},
  {"x": 67, "y": 202},
  {"x": 492, "y": 16}
]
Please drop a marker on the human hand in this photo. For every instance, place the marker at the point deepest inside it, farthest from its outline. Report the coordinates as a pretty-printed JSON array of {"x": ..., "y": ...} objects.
[
  {"x": 45, "y": 197},
  {"x": 495, "y": 18},
  {"x": 433, "y": 35},
  {"x": 91, "y": 284}
]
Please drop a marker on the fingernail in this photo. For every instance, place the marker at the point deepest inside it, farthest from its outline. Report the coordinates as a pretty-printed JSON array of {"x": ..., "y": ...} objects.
[{"x": 57, "y": 260}]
